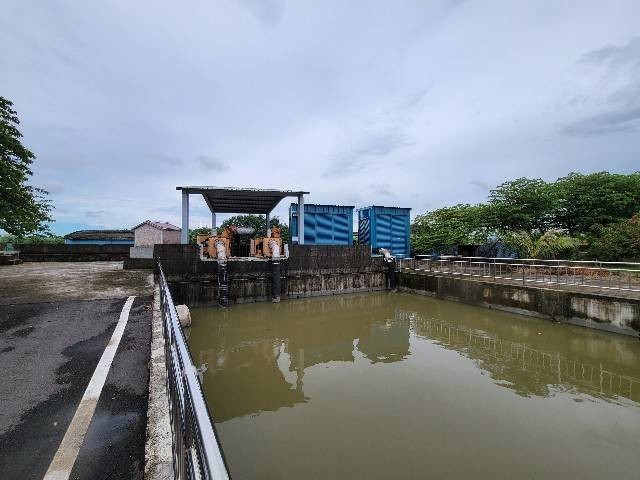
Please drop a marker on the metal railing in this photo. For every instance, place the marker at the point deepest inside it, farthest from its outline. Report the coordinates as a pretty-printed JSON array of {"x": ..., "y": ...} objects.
[
  {"x": 584, "y": 274},
  {"x": 197, "y": 454}
]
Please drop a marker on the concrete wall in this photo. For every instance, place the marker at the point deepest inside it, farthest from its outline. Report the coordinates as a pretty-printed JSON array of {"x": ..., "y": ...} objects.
[
  {"x": 141, "y": 252},
  {"x": 171, "y": 237},
  {"x": 72, "y": 253},
  {"x": 310, "y": 270},
  {"x": 603, "y": 312},
  {"x": 148, "y": 236}
]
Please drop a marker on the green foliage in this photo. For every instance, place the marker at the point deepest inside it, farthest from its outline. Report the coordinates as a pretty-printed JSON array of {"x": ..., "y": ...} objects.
[
  {"x": 522, "y": 204},
  {"x": 257, "y": 222},
  {"x": 549, "y": 245},
  {"x": 441, "y": 229},
  {"x": 588, "y": 201},
  {"x": 618, "y": 241},
  {"x": 24, "y": 209},
  {"x": 542, "y": 219},
  {"x": 31, "y": 240},
  {"x": 194, "y": 232}
]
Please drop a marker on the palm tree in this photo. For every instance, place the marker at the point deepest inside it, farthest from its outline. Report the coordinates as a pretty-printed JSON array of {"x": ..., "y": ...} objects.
[{"x": 549, "y": 245}]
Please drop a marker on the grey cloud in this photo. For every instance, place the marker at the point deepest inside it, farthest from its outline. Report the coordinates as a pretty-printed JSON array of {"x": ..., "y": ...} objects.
[
  {"x": 383, "y": 189},
  {"x": 167, "y": 159},
  {"x": 53, "y": 187},
  {"x": 211, "y": 163},
  {"x": 367, "y": 151},
  {"x": 94, "y": 213},
  {"x": 268, "y": 12},
  {"x": 619, "y": 121},
  {"x": 614, "y": 54},
  {"x": 408, "y": 104},
  {"x": 618, "y": 97},
  {"x": 481, "y": 184}
]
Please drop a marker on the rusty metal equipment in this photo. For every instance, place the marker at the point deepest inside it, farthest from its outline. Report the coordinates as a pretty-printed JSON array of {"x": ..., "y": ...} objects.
[
  {"x": 269, "y": 246},
  {"x": 215, "y": 246}
]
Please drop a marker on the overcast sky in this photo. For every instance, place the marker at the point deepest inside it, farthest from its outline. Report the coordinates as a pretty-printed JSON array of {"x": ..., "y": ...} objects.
[{"x": 417, "y": 104}]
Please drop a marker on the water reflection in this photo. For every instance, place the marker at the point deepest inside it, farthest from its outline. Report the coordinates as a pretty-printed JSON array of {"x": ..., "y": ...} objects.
[
  {"x": 253, "y": 358},
  {"x": 258, "y": 361},
  {"x": 522, "y": 367}
]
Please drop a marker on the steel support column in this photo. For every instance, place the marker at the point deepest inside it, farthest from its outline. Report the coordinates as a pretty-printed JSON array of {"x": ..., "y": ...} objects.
[
  {"x": 184, "y": 237},
  {"x": 268, "y": 229},
  {"x": 214, "y": 225},
  {"x": 301, "y": 219}
]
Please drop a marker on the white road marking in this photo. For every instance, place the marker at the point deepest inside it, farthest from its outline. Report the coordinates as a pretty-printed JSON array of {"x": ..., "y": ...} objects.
[{"x": 65, "y": 457}]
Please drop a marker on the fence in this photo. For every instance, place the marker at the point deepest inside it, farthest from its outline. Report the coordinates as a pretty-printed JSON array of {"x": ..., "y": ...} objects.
[
  {"x": 582, "y": 274},
  {"x": 196, "y": 451}
]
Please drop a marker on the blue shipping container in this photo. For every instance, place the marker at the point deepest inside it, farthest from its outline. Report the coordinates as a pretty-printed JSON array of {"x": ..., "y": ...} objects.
[
  {"x": 323, "y": 224},
  {"x": 385, "y": 227}
]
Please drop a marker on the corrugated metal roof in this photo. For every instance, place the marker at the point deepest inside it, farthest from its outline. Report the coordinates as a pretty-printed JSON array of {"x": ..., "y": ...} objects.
[
  {"x": 100, "y": 235},
  {"x": 241, "y": 200},
  {"x": 158, "y": 225}
]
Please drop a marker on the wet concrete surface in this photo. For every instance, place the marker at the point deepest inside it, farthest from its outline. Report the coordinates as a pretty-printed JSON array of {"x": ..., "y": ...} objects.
[
  {"x": 114, "y": 445},
  {"x": 57, "y": 281},
  {"x": 48, "y": 352}
]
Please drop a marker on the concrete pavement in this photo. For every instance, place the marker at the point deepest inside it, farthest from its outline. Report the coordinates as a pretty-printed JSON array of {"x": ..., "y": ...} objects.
[{"x": 48, "y": 353}]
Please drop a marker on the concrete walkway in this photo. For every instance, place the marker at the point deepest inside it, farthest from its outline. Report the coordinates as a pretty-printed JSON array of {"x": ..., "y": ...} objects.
[{"x": 51, "y": 339}]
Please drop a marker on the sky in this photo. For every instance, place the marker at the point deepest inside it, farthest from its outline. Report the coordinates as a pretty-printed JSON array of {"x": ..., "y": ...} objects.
[{"x": 419, "y": 104}]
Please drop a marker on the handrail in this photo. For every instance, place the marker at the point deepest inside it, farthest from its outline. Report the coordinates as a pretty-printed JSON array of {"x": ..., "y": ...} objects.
[
  {"x": 580, "y": 274},
  {"x": 197, "y": 453},
  {"x": 510, "y": 259}
]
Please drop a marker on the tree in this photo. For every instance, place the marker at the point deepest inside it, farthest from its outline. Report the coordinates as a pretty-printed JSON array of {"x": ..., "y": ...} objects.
[
  {"x": 194, "y": 232},
  {"x": 24, "y": 209},
  {"x": 32, "y": 240},
  {"x": 522, "y": 204},
  {"x": 548, "y": 245},
  {"x": 618, "y": 241},
  {"x": 257, "y": 222},
  {"x": 589, "y": 201},
  {"x": 440, "y": 230}
]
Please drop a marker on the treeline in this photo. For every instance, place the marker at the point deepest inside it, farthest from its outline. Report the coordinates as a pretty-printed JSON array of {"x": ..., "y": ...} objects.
[
  {"x": 591, "y": 216},
  {"x": 8, "y": 239},
  {"x": 257, "y": 222}
]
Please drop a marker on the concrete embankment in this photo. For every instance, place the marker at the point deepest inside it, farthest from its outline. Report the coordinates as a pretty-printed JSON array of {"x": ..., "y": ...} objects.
[
  {"x": 310, "y": 270},
  {"x": 594, "y": 310}
]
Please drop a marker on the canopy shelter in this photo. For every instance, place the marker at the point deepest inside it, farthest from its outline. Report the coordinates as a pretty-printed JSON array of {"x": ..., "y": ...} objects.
[{"x": 238, "y": 200}]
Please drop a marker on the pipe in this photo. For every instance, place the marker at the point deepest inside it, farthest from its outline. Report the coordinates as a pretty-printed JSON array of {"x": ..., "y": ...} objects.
[
  {"x": 391, "y": 268},
  {"x": 223, "y": 285},
  {"x": 275, "y": 278},
  {"x": 221, "y": 252},
  {"x": 275, "y": 249},
  {"x": 387, "y": 254},
  {"x": 275, "y": 282}
]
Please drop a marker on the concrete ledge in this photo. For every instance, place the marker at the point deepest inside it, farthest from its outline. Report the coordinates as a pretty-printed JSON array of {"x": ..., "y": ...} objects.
[
  {"x": 602, "y": 312},
  {"x": 138, "y": 264},
  {"x": 72, "y": 253},
  {"x": 158, "y": 449}
]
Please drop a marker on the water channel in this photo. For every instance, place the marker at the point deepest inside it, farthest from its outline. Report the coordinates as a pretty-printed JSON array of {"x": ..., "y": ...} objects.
[{"x": 393, "y": 385}]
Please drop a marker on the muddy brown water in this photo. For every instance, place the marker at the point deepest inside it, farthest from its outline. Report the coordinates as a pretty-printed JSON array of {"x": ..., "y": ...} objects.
[{"x": 393, "y": 385}]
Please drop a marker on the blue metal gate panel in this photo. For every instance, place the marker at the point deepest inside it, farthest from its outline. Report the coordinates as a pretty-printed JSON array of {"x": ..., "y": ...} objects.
[
  {"x": 323, "y": 224},
  {"x": 385, "y": 227}
]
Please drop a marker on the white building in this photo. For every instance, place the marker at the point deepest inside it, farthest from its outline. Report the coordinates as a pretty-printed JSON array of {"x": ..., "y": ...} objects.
[{"x": 148, "y": 233}]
